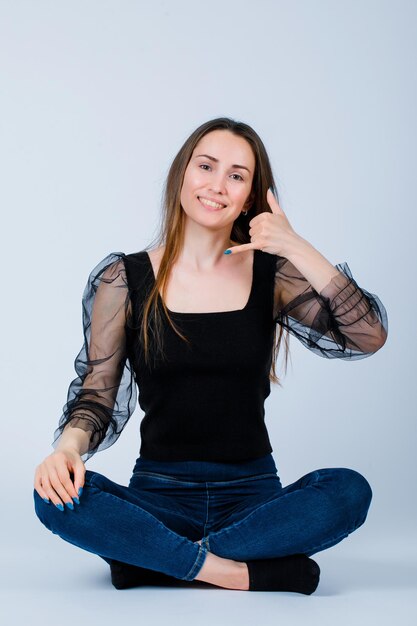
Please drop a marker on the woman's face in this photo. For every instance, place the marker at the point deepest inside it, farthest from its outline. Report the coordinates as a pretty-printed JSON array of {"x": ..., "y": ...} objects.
[{"x": 213, "y": 174}]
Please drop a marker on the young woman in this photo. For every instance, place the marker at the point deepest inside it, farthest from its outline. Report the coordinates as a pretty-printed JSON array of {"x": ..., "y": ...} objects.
[{"x": 193, "y": 325}]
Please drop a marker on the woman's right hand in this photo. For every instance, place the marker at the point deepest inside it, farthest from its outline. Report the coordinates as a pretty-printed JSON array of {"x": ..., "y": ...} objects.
[{"x": 53, "y": 480}]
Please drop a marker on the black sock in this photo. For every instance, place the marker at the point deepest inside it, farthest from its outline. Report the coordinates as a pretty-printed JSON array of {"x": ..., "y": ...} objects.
[
  {"x": 125, "y": 576},
  {"x": 295, "y": 572}
]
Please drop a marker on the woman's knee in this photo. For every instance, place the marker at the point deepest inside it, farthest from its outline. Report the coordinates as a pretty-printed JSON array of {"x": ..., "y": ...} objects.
[
  {"x": 354, "y": 490},
  {"x": 49, "y": 514}
]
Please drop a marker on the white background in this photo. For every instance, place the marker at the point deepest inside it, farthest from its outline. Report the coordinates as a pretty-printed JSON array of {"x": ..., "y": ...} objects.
[{"x": 96, "y": 99}]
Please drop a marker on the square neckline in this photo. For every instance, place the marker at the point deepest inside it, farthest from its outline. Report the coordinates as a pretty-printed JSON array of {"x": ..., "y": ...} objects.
[{"x": 207, "y": 313}]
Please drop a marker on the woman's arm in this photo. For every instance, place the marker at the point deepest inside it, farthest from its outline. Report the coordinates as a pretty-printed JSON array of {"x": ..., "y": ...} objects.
[
  {"x": 321, "y": 304},
  {"x": 324, "y": 307},
  {"x": 103, "y": 396},
  {"x": 74, "y": 438},
  {"x": 310, "y": 262},
  {"x": 352, "y": 312}
]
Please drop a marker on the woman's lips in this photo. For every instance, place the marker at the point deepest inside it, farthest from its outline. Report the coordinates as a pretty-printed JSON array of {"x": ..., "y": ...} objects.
[{"x": 208, "y": 207}]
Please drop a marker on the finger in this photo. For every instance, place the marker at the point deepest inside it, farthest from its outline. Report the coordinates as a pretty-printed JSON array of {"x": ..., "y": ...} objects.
[
  {"x": 242, "y": 248},
  {"x": 273, "y": 203},
  {"x": 56, "y": 481},
  {"x": 39, "y": 488},
  {"x": 79, "y": 476},
  {"x": 65, "y": 474},
  {"x": 51, "y": 493},
  {"x": 66, "y": 481}
]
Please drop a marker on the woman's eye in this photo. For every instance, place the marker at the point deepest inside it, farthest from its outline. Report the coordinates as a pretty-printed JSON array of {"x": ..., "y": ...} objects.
[{"x": 206, "y": 165}]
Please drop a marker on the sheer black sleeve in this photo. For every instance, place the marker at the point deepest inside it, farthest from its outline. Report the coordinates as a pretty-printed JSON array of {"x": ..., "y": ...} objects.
[
  {"x": 102, "y": 397},
  {"x": 342, "y": 321}
]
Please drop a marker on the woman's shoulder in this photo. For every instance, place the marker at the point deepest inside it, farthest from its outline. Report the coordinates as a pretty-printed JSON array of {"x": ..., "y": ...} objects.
[{"x": 116, "y": 267}]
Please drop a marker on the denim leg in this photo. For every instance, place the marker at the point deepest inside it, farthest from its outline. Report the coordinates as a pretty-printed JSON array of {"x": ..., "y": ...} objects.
[
  {"x": 314, "y": 513},
  {"x": 111, "y": 522}
]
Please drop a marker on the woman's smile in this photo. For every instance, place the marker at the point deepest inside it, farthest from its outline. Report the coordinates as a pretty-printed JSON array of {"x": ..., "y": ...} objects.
[{"x": 211, "y": 206}]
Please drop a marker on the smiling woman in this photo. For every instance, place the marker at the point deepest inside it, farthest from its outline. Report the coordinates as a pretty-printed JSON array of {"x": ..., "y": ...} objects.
[{"x": 203, "y": 367}]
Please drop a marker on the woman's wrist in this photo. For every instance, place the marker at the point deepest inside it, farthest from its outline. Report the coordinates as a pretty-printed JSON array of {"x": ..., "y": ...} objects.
[{"x": 73, "y": 439}]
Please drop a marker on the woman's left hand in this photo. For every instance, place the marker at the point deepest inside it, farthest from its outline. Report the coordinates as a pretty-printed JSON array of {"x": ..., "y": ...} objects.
[{"x": 269, "y": 232}]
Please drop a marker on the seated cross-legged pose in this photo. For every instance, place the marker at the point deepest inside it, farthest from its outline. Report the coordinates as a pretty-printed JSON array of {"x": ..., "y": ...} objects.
[{"x": 190, "y": 328}]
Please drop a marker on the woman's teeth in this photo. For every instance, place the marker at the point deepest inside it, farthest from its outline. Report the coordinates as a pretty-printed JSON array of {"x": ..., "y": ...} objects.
[{"x": 210, "y": 203}]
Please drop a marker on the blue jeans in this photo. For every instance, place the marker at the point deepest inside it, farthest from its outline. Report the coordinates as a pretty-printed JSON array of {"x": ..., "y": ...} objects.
[{"x": 239, "y": 510}]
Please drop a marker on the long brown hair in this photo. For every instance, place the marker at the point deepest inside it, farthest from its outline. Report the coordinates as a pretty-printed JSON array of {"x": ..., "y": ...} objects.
[{"x": 171, "y": 231}]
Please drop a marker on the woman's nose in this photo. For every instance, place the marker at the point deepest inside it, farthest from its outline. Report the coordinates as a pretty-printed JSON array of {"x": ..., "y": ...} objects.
[{"x": 218, "y": 186}]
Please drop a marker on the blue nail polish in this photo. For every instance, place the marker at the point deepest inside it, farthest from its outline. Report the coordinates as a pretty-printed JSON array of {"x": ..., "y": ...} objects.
[
  {"x": 59, "y": 506},
  {"x": 76, "y": 500},
  {"x": 80, "y": 490},
  {"x": 227, "y": 252},
  {"x": 70, "y": 505},
  {"x": 46, "y": 500}
]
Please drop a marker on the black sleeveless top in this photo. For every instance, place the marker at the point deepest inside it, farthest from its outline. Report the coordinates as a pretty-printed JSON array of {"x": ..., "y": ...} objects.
[{"x": 205, "y": 400}]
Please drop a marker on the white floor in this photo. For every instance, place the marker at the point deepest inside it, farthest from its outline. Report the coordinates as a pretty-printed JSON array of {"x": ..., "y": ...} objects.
[{"x": 362, "y": 581}]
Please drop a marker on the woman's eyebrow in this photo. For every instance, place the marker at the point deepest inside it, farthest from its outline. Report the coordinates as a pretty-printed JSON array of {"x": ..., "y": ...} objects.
[{"x": 212, "y": 158}]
